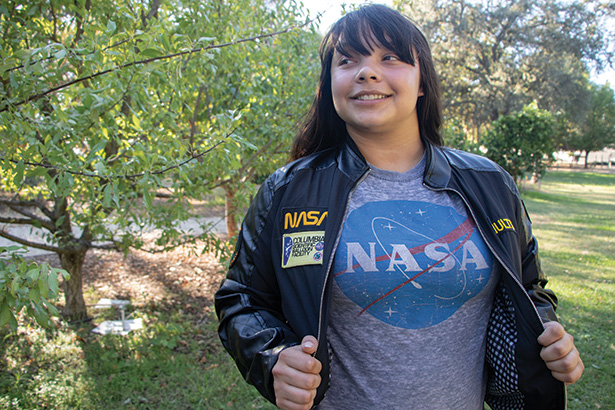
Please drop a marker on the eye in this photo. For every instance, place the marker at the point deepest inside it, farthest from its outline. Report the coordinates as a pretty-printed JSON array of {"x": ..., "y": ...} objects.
[
  {"x": 391, "y": 57},
  {"x": 344, "y": 60}
]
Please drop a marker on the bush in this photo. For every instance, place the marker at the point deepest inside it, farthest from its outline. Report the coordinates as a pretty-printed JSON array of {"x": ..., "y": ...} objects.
[
  {"x": 26, "y": 284},
  {"x": 522, "y": 143}
]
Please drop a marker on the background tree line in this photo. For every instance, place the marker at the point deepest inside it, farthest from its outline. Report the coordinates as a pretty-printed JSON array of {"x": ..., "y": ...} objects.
[
  {"x": 115, "y": 117},
  {"x": 497, "y": 57}
]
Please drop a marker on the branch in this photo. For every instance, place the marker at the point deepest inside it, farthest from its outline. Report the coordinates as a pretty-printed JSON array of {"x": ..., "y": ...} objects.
[
  {"x": 126, "y": 176},
  {"x": 9, "y": 202},
  {"x": 16, "y": 221},
  {"x": 36, "y": 245},
  {"x": 108, "y": 246},
  {"x": 257, "y": 153},
  {"x": 193, "y": 129},
  {"x": 189, "y": 240},
  {"x": 52, "y": 57},
  {"x": 34, "y": 218},
  {"x": 150, "y": 60}
]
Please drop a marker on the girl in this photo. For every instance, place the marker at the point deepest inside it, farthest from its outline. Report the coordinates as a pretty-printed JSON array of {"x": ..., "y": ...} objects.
[{"x": 383, "y": 269}]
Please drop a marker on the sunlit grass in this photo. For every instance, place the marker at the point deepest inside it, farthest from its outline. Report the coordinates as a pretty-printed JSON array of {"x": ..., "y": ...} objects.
[{"x": 573, "y": 218}]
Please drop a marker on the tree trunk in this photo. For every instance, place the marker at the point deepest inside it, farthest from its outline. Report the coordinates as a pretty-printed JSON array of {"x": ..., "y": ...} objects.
[
  {"x": 586, "y": 158},
  {"x": 74, "y": 307},
  {"x": 230, "y": 212}
]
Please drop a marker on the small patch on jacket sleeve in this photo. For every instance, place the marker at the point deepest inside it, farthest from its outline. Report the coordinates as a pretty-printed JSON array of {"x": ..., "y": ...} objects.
[{"x": 302, "y": 248}]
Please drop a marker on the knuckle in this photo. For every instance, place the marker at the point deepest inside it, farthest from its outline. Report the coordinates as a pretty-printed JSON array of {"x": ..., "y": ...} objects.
[
  {"x": 570, "y": 362},
  {"x": 313, "y": 382},
  {"x": 311, "y": 364},
  {"x": 304, "y": 396},
  {"x": 560, "y": 350},
  {"x": 276, "y": 371}
]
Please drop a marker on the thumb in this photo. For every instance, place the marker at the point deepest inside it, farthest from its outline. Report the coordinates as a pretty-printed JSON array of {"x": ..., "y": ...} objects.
[
  {"x": 309, "y": 344},
  {"x": 552, "y": 333}
]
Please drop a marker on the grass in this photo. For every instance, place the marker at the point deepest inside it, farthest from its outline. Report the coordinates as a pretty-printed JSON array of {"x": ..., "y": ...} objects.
[
  {"x": 176, "y": 361},
  {"x": 573, "y": 216}
]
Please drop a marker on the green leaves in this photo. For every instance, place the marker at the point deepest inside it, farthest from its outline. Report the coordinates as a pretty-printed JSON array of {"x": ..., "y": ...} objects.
[
  {"x": 111, "y": 124},
  {"x": 27, "y": 284},
  {"x": 495, "y": 57},
  {"x": 522, "y": 142}
]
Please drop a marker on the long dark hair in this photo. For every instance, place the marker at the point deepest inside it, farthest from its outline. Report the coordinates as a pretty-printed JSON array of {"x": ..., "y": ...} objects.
[{"x": 360, "y": 31}]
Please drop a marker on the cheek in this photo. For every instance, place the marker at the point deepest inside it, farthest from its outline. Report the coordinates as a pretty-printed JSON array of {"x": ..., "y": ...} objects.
[{"x": 337, "y": 90}]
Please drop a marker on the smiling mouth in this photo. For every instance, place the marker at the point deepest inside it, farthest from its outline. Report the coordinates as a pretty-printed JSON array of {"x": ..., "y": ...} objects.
[{"x": 370, "y": 97}]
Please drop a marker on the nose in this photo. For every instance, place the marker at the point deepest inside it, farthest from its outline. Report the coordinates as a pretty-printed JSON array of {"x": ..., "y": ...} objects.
[{"x": 367, "y": 72}]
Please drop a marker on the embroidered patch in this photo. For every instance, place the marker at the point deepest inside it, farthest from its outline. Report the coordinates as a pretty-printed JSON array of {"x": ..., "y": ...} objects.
[
  {"x": 303, "y": 248},
  {"x": 503, "y": 224},
  {"x": 303, "y": 218}
]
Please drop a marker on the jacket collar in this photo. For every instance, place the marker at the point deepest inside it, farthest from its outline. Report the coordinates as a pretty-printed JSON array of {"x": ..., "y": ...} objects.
[{"x": 437, "y": 168}]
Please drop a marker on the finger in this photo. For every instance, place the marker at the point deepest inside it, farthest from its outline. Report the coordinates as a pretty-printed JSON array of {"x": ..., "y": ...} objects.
[
  {"x": 293, "y": 398},
  {"x": 286, "y": 375},
  {"x": 566, "y": 364},
  {"x": 559, "y": 349},
  {"x": 309, "y": 344},
  {"x": 571, "y": 376},
  {"x": 552, "y": 333},
  {"x": 295, "y": 358}
]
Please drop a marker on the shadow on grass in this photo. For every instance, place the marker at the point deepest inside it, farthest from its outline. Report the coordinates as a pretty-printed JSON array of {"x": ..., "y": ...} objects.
[{"x": 175, "y": 362}]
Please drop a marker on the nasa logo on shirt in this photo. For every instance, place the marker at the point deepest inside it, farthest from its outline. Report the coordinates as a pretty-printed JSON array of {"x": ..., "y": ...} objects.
[{"x": 411, "y": 264}]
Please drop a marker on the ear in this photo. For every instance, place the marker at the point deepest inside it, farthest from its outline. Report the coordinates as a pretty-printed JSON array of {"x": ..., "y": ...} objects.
[{"x": 421, "y": 93}]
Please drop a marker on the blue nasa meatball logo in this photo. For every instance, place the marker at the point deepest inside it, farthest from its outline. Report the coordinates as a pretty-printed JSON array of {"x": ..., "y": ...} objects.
[{"x": 410, "y": 264}]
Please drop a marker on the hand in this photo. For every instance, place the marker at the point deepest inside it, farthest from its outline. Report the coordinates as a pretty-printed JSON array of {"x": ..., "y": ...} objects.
[
  {"x": 560, "y": 354},
  {"x": 296, "y": 376}
]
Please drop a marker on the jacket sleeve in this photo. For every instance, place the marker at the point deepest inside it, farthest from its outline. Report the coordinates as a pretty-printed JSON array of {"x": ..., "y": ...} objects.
[
  {"x": 252, "y": 327},
  {"x": 534, "y": 279}
]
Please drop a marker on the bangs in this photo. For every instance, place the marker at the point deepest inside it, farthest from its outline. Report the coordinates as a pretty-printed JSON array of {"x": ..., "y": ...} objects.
[{"x": 361, "y": 32}]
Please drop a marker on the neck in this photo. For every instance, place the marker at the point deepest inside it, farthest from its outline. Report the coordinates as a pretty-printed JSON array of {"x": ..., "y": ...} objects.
[{"x": 391, "y": 154}]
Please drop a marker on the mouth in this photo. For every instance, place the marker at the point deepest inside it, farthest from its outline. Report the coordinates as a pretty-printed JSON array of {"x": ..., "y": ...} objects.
[{"x": 370, "y": 97}]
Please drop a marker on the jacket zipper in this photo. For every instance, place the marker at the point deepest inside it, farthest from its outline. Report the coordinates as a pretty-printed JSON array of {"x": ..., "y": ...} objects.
[
  {"x": 334, "y": 249},
  {"x": 505, "y": 268},
  {"x": 514, "y": 277}
]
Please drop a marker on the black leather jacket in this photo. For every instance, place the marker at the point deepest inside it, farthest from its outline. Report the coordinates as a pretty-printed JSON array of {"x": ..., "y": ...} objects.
[{"x": 264, "y": 308}]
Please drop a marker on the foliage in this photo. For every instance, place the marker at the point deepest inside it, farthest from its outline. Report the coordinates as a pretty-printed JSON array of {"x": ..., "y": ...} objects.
[
  {"x": 597, "y": 130},
  {"x": 522, "y": 143},
  {"x": 495, "y": 57},
  {"x": 27, "y": 284},
  {"x": 117, "y": 116},
  {"x": 456, "y": 136}
]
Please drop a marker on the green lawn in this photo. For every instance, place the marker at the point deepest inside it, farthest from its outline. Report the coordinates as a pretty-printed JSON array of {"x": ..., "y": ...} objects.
[
  {"x": 176, "y": 361},
  {"x": 573, "y": 216}
]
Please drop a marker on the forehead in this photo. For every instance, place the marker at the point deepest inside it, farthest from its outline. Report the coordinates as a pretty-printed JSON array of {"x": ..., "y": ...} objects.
[
  {"x": 366, "y": 39},
  {"x": 360, "y": 41}
]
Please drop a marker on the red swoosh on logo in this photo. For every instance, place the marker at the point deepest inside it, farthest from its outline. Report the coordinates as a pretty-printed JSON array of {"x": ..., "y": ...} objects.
[{"x": 463, "y": 228}]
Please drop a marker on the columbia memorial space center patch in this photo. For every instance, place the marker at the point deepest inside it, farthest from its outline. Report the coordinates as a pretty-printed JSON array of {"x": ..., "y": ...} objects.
[{"x": 303, "y": 242}]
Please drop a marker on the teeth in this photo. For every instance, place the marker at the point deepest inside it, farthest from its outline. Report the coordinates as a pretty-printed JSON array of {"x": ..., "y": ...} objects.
[{"x": 371, "y": 97}]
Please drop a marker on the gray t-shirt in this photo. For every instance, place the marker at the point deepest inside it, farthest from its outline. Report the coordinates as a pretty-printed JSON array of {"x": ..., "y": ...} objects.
[{"x": 413, "y": 285}]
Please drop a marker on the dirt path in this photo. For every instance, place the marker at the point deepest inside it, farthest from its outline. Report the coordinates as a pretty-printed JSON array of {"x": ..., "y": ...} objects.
[{"x": 183, "y": 276}]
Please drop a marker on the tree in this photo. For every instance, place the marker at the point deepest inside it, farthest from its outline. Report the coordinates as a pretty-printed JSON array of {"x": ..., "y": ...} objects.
[
  {"x": 116, "y": 116},
  {"x": 522, "y": 143},
  {"x": 597, "y": 130},
  {"x": 496, "y": 57}
]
